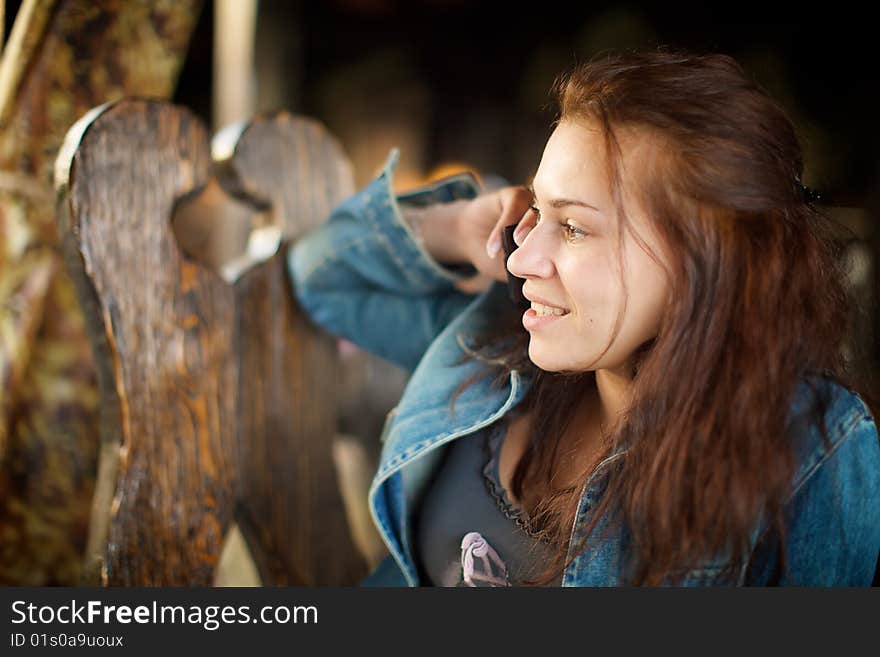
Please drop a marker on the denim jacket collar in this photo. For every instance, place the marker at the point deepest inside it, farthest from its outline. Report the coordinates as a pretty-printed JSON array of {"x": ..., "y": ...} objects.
[{"x": 422, "y": 421}]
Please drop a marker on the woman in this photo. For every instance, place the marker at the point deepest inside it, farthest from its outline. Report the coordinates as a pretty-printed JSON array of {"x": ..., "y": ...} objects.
[{"x": 673, "y": 408}]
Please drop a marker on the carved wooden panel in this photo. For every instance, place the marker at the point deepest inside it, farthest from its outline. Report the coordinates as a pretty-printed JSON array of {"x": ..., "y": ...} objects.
[
  {"x": 217, "y": 396},
  {"x": 62, "y": 57}
]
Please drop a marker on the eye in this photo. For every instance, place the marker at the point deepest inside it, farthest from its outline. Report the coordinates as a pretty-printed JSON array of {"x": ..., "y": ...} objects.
[{"x": 573, "y": 232}]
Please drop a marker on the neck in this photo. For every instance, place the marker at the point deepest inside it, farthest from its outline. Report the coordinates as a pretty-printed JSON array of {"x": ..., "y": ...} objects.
[{"x": 613, "y": 386}]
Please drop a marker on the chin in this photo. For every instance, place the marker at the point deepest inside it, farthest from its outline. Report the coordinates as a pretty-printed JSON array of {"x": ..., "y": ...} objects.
[
  {"x": 555, "y": 362},
  {"x": 548, "y": 362}
]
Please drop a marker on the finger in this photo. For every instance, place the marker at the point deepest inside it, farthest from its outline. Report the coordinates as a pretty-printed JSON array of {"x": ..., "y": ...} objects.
[
  {"x": 498, "y": 270},
  {"x": 516, "y": 208},
  {"x": 524, "y": 226},
  {"x": 493, "y": 243},
  {"x": 514, "y": 202}
]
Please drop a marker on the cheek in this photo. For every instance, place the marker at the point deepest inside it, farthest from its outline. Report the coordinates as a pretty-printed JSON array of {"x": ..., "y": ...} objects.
[
  {"x": 595, "y": 292},
  {"x": 647, "y": 301}
]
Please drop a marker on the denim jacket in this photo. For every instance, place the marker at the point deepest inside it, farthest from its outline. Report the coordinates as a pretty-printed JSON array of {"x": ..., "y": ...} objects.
[{"x": 364, "y": 276}]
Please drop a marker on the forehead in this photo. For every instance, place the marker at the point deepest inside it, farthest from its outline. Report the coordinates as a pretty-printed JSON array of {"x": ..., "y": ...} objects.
[{"x": 573, "y": 164}]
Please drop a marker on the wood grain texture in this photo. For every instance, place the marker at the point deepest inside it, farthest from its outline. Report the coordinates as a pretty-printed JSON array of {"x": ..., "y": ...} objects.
[
  {"x": 296, "y": 168},
  {"x": 70, "y": 56},
  {"x": 217, "y": 398},
  {"x": 293, "y": 165}
]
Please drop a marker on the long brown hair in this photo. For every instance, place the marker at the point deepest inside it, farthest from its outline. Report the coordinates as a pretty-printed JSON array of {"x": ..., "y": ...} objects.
[{"x": 759, "y": 303}]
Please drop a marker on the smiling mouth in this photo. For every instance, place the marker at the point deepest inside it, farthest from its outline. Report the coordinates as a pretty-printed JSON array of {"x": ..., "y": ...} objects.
[{"x": 547, "y": 311}]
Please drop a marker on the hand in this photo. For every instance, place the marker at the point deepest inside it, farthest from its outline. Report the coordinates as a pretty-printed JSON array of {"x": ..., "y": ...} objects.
[{"x": 482, "y": 222}]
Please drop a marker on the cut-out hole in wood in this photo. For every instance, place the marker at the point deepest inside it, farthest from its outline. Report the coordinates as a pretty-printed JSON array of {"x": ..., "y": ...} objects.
[
  {"x": 217, "y": 392},
  {"x": 225, "y": 233}
]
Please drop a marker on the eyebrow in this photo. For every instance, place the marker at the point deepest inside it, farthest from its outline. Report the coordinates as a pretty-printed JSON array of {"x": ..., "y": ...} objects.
[{"x": 561, "y": 202}]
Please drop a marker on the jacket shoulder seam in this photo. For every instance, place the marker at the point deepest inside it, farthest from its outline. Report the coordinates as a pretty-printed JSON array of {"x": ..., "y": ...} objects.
[{"x": 808, "y": 474}]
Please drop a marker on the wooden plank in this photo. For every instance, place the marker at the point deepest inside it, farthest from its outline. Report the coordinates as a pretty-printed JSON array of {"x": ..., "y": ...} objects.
[
  {"x": 292, "y": 165},
  {"x": 70, "y": 56},
  {"x": 219, "y": 397}
]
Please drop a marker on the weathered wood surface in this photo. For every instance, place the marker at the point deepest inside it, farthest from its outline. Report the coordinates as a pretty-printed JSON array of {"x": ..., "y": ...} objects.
[
  {"x": 273, "y": 146},
  {"x": 291, "y": 165},
  {"x": 218, "y": 398},
  {"x": 70, "y": 55}
]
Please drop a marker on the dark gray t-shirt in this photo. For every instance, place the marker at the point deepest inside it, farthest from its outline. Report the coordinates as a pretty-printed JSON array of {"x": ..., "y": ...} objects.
[{"x": 468, "y": 532}]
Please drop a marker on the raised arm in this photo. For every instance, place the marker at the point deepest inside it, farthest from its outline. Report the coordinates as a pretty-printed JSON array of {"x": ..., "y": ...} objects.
[{"x": 366, "y": 276}]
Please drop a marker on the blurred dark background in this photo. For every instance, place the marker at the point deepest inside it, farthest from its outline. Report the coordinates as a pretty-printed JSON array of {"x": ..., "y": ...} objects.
[
  {"x": 470, "y": 80},
  {"x": 458, "y": 81}
]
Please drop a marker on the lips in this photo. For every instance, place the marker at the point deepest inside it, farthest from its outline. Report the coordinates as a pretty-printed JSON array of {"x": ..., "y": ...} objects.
[{"x": 545, "y": 302}]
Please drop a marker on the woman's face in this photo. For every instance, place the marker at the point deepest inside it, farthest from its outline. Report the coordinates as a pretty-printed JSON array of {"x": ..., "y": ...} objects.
[{"x": 570, "y": 259}]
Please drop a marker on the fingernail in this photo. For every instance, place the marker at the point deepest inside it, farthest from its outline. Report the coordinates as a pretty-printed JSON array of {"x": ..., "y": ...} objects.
[{"x": 492, "y": 248}]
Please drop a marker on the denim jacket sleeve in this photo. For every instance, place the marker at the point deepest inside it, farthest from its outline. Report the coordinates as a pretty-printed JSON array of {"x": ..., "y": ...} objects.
[
  {"x": 363, "y": 276},
  {"x": 833, "y": 516}
]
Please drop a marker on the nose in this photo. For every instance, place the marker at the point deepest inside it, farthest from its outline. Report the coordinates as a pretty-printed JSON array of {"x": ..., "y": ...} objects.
[{"x": 533, "y": 258}]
